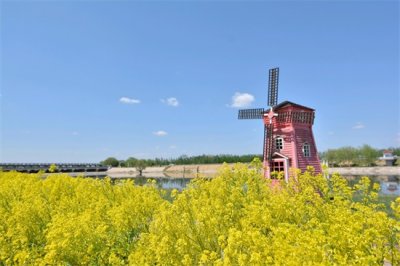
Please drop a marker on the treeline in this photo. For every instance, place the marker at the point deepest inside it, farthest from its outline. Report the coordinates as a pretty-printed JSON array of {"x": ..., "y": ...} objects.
[
  {"x": 344, "y": 156},
  {"x": 184, "y": 159},
  {"x": 354, "y": 156}
]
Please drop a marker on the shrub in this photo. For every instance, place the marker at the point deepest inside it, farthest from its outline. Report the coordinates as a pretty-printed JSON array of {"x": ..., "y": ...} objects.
[{"x": 237, "y": 218}]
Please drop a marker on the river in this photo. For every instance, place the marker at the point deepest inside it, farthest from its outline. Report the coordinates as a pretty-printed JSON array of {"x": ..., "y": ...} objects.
[{"x": 390, "y": 185}]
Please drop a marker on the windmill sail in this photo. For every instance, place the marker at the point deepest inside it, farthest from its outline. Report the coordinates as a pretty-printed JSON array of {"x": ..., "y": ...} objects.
[
  {"x": 265, "y": 143},
  {"x": 257, "y": 113},
  {"x": 273, "y": 86},
  {"x": 269, "y": 141}
]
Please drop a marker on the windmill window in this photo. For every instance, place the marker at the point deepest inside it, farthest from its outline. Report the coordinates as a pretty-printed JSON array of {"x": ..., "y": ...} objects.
[
  {"x": 278, "y": 166},
  {"x": 279, "y": 143},
  {"x": 302, "y": 117},
  {"x": 306, "y": 150}
]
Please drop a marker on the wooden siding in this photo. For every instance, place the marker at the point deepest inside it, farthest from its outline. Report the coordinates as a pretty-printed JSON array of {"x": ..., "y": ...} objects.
[
  {"x": 288, "y": 141},
  {"x": 304, "y": 135},
  {"x": 294, "y": 125}
]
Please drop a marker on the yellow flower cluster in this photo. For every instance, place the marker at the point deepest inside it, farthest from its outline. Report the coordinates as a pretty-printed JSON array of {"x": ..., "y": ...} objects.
[
  {"x": 73, "y": 221},
  {"x": 237, "y": 218}
]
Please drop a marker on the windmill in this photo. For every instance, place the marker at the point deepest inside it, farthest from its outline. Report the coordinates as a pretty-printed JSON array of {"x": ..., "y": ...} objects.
[{"x": 288, "y": 138}]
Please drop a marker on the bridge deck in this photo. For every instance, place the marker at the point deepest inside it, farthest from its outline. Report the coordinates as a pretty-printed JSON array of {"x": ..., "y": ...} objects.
[{"x": 61, "y": 167}]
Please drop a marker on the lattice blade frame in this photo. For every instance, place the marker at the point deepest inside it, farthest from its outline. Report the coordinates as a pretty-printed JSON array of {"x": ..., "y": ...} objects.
[
  {"x": 269, "y": 141},
  {"x": 257, "y": 113},
  {"x": 265, "y": 143},
  {"x": 273, "y": 86}
]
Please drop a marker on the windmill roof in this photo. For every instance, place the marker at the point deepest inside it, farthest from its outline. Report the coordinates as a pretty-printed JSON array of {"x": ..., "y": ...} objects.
[{"x": 288, "y": 103}]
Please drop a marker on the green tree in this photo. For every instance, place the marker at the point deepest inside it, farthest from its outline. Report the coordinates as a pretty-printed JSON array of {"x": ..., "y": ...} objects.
[
  {"x": 140, "y": 165},
  {"x": 130, "y": 162},
  {"x": 110, "y": 161},
  {"x": 350, "y": 156},
  {"x": 368, "y": 155}
]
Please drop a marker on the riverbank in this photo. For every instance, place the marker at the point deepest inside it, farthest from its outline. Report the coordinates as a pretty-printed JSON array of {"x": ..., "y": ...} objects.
[
  {"x": 172, "y": 171},
  {"x": 377, "y": 170},
  {"x": 190, "y": 171}
]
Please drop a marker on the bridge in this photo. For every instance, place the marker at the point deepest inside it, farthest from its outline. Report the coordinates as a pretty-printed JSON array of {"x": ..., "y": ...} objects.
[{"x": 60, "y": 167}]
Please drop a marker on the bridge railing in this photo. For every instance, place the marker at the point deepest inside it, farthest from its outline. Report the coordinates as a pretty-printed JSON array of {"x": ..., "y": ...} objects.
[{"x": 60, "y": 167}]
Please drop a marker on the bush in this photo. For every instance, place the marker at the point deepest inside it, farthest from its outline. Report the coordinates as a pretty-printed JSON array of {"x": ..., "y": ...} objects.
[
  {"x": 74, "y": 221},
  {"x": 237, "y": 218},
  {"x": 240, "y": 218}
]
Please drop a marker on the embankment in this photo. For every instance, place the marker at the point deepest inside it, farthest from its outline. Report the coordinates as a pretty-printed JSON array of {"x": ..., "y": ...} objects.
[
  {"x": 378, "y": 170},
  {"x": 192, "y": 170}
]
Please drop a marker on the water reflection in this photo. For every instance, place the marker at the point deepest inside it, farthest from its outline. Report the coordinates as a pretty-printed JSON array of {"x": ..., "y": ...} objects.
[
  {"x": 390, "y": 185},
  {"x": 162, "y": 182}
]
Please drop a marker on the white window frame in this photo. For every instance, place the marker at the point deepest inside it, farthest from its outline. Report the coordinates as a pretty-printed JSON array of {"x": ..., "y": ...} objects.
[
  {"x": 308, "y": 150},
  {"x": 281, "y": 142}
]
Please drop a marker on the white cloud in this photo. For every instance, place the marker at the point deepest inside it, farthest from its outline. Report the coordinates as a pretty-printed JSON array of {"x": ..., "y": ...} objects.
[
  {"x": 359, "y": 125},
  {"x": 240, "y": 100},
  {"x": 127, "y": 100},
  {"x": 171, "y": 101},
  {"x": 160, "y": 133},
  {"x": 172, "y": 147}
]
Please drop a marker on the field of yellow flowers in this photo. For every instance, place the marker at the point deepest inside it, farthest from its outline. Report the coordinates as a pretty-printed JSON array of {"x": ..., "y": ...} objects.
[{"x": 237, "y": 218}]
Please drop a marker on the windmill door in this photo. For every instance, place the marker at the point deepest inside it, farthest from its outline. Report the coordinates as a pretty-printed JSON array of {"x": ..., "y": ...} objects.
[{"x": 280, "y": 164}]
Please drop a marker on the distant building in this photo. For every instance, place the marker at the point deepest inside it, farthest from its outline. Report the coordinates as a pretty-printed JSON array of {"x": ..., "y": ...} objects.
[{"x": 388, "y": 158}]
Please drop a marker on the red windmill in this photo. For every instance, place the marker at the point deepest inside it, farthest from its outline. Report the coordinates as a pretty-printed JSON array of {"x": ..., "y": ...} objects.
[{"x": 288, "y": 137}]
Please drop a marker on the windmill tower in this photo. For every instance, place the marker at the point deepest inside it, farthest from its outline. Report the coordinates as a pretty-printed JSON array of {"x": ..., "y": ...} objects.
[{"x": 288, "y": 137}]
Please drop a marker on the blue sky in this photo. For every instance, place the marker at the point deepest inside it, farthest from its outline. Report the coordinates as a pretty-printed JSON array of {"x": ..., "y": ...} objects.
[{"x": 84, "y": 80}]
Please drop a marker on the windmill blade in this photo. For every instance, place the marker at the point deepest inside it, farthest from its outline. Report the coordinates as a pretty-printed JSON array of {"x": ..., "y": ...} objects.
[
  {"x": 269, "y": 141},
  {"x": 265, "y": 144},
  {"x": 257, "y": 113},
  {"x": 273, "y": 86}
]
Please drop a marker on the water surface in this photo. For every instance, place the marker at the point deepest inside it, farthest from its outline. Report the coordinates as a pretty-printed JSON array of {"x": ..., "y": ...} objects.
[{"x": 390, "y": 185}]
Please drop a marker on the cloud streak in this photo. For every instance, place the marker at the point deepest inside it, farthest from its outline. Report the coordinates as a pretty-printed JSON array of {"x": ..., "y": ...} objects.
[
  {"x": 359, "y": 125},
  {"x": 160, "y": 133},
  {"x": 171, "y": 101},
  {"x": 240, "y": 100},
  {"x": 127, "y": 100}
]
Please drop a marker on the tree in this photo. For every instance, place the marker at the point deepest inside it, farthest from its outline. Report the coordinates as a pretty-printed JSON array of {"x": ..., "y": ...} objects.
[
  {"x": 140, "y": 165},
  {"x": 368, "y": 155},
  {"x": 350, "y": 156},
  {"x": 110, "y": 161},
  {"x": 130, "y": 162}
]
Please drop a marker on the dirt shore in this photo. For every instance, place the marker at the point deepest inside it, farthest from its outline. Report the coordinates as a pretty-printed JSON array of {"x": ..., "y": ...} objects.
[
  {"x": 211, "y": 169},
  {"x": 378, "y": 170}
]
